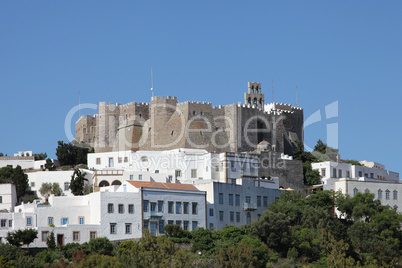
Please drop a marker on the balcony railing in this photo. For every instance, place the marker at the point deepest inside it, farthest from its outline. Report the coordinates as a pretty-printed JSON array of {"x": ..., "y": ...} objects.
[
  {"x": 153, "y": 214},
  {"x": 250, "y": 206}
]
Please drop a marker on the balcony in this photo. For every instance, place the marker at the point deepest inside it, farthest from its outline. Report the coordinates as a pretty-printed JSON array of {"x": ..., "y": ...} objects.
[
  {"x": 152, "y": 214},
  {"x": 250, "y": 206}
]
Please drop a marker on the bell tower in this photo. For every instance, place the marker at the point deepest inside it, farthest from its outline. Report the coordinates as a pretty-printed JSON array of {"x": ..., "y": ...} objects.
[{"x": 253, "y": 97}]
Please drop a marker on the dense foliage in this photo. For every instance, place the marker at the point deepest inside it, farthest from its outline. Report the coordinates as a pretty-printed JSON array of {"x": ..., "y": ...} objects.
[
  {"x": 17, "y": 177},
  {"x": 40, "y": 156},
  {"x": 48, "y": 188},
  {"x": 72, "y": 153},
  {"x": 77, "y": 182},
  {"x": 295, "y": 231}
]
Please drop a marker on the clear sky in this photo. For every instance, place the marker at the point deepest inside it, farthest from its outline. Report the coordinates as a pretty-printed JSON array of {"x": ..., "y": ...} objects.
[{"x": 345, "y": 51}]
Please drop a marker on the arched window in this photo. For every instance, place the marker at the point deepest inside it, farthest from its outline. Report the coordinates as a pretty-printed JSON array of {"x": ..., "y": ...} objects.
[
  {"x": 256, "y": 90},
  {"x": 355, "y": 191},
  {"x": 255, "y": 102},
  {"x": 387, "y": 194},
  {"x": 116, "y": 182},
  {"x": 380, "y": 194},
  {"x": 367, "y": 191},
  {"x": 104, "y": 183},
  {"x": 395, "y": 195}
]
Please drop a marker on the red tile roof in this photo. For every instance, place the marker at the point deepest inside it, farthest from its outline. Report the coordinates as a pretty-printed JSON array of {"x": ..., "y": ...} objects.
[{"x": 161, "y": 185}]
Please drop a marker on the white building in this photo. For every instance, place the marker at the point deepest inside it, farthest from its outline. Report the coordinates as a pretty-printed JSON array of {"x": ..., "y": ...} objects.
[
  {"x": 25, "y": 160},
  {"x": 63, "y": 178},
  {"x": 116, "y": 212},
  {"x": 8, "y": 197}
]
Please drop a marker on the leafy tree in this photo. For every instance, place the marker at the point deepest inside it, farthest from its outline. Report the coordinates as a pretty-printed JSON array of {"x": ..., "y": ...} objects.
[
  {"x": 40, "y": 156},
  {"x": 49, "y": 165},
  {"x": 17, "y": 177},
  {"x": 311, "y": 176},
  {"x": 320, "y": 147},
  {"x": 51, "y": 241},
  {"x": 48, "y": 188},
  {"x": 323, "y": 152},
  {"x": 101, "y": 246},
  {"x": 77, "y": 182},
  {"x": 22, "y": 237},
  {"x": 72, "y": 153}
]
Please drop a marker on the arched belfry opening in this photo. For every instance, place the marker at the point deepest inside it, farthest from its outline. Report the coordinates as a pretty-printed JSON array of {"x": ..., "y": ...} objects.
[{"x": 253, "y": 96}]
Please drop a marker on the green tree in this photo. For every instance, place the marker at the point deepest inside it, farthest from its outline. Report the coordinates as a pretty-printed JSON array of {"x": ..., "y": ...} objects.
[
  {"x": 40, "y": 156},
  {"x": 72, "y": 153},
  {"x": 22, "y": 237},
  {"x": 101, "y": 246},
  {"x": 77, "y": 182},
  {"x": 49, "y": 165},
  {"x": 17, "y": 177},
  {"x": 51, "y": 241},
  {"x": 47, "y": 188}
]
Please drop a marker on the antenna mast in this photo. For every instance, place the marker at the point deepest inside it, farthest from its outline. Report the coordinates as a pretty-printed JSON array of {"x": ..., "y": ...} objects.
[
  {"x": 79, "y": 102},
  {"x": 152, "y": 82},
  {"x": 272, "y": 90},
  {"x": 297, "y": 96}
]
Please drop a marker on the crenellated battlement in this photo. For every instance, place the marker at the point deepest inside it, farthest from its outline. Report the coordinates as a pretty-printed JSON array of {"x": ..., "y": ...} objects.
[{"x": 164, "y": 98}]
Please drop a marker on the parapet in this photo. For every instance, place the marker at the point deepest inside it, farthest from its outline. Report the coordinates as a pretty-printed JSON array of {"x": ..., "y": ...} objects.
[{"x": 164, "y": 98}]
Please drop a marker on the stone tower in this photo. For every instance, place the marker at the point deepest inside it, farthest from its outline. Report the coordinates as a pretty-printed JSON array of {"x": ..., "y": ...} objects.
[{"x": 253, "y": 97}]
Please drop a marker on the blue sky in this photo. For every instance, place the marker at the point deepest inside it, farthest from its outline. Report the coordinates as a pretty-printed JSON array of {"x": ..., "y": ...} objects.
[{"x": 345, "y": 51}]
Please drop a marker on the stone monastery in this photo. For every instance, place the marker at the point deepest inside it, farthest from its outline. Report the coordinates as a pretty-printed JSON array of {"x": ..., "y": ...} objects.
[{"x": 165, "y": 124}]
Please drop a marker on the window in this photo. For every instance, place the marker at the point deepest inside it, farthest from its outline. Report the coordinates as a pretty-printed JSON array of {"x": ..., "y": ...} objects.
[
  {"x": 153, "y": 206},
  {"x": 366, "y": 175},
  {"x": 195, "y": 225},
  {"x": 348, "y": 174},
  {"x": 170, "y": 222},
  {"x": 379, "y": 194},
  {"x": 178, "y": 207},
  {"x": 76, "y": 236},
  {"x": 170, "y": 207},
  {"x": 211, "y": 212},
  {"x": 140, "y": 177},
  {"x": 340, "y": 173},
  {"x": 237, "y": 200},
  {"x": 220, "y": 198},
  {"x": 113, "y": 228},
  {"x": 146, "y": 224},
  {"x": 63, "y": 221},
  {"x": 355, "y": 191},
  {"x": 32, "y": 184},
  {"x": 98, "y": 161},
  {"x": 371, "y": 175},
  {"x": 10, "y": 223},
  {"x": 178, "y": 223},
  {"x": 92, "y": 235},
  {"x": 120, "y": 160},
  {"x": 3, "y": 223},
  {"x": 29, "y": 221},
  {"x": 170, "y": 178},
  {"x": 248, "y": 199},
  {"x": 161, "y": 226},
  {"x": 110, "y": 208},
  {"x": 50, "y": 220},
  {"x": 231, "y": 199},
  {"x": 146, "y": 202},
  {"x": 195, "y": 208},
  {"x": 66, "y": 186},
  {"x": 185, "y": 207},
  {"x": 185, "y": 225},
  {"x": 178, "y": 173},
  {"x": 232, "y": 166},
  {"x": 248, "y": 218},
  {"x": 125, "y": 159},
  {"x": 121, "y": 208},
  {"x": 160, "y": 206},
  {"x": 1, "y": 199},
  {"x": 258, "y": 201},
  {"x": 128, "y": 228},
  {"x": 323, "y": 170},
  {"x": 131, "y": 208},
  {"x": 81, "y": 220},
  {"x": 111, "y": 164},
  {"x": 237, "y": 216},
  {"x": 334, "y": 173},
  {"x": 265, "y": 201},
  {"x": 45, "y": 235},
  {"x": 211, "y": 225},
  {"x": 221, "y": 215},
  {"x": 395, "y": 195},
  {"x": 360, "y": 174},
  {"x": 193, "y": 173},
  {"x": 231, "y": 216},
  {"x": 387, "y": 194},
  {"x": 157, "y": 171},
  {"x": 131, "y": 177}
]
